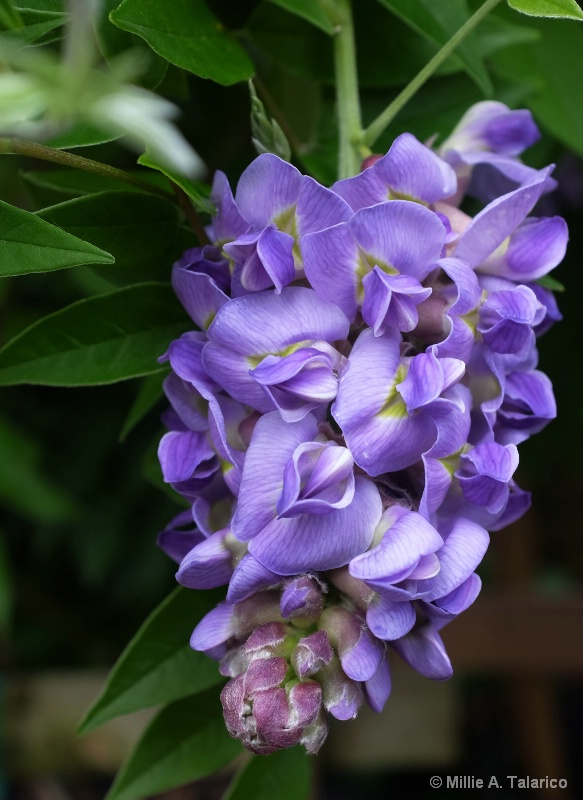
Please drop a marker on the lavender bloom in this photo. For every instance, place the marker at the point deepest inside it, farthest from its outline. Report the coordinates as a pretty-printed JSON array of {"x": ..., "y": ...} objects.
[
  {"x": 273, "y": 351},
  {"x": 300, "y": 505},
  {"x": 397, "y": 419},
  {"x": 279, "y": 205},
  {"x": 409, "y": 171},
  {"x": 507, "y": 320},
  {"x": 484, "y": 148},
  {"x": 201, "y": 279},
  {"x": 399, "y": 238},
  {"x": 347, "y": 443},
  {"x": 493, "y": 127}
]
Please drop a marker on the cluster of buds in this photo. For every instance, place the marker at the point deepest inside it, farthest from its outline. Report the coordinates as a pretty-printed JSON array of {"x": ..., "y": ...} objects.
[
  {"x": 345, "y": 420},
  {"x": 290, "y": 656}
]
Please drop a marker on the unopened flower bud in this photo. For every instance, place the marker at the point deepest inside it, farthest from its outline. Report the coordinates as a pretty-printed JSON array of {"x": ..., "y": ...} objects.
[
  {"x": 302, "y": 601},
  {"x": 311, "y": 654},
  {"x": 342, "y": 696},
  {"x": 267, "y": 714}
]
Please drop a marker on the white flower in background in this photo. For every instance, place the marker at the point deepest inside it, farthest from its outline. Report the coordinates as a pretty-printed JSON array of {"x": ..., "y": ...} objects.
[{"x": 42, "y": 95}]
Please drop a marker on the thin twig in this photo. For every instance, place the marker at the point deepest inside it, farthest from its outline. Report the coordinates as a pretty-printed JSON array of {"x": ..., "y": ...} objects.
[
  {"x": 191, "y": 215},
  {"x": 35, "y": 150}
]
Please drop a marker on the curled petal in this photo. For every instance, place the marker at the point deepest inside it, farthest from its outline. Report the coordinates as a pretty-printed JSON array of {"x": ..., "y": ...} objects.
[{"x": 424, "y": 650}]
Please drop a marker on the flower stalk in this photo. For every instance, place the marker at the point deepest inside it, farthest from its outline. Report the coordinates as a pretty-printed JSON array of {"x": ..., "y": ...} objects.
[
  {"x": 381, "y": 123},
  {"x": 44, "y": 153},
  {"x": 347, "y": 97}
]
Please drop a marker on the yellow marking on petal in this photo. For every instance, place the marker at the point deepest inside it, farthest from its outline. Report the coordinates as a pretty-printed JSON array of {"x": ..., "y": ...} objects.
[
  {"x": 392, "y": 195},
  {"x": 287, "y": 222},
  {"x": 366, "y": 262},
  {"x": 452, "y": 462},
  {"x": 500, "y": 250},
  {"x": 395, "y": 406},
  {"x": 209, "y": 319},
  {"x": 255, "y": 360},
  {"x": 226, "y": 466},
  {"x": 471, "y": 320}
]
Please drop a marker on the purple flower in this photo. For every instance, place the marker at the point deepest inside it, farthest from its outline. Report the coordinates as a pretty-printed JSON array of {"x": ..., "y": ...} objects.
[
  {"x": 273, "y": 351},
  {"x": 201, "y": 280},
  {"x": 279, "y": 205},
  {"x": 483, "y": 150},
  {"x": 491, "y": 126},
  {"x": 389, "y": 407},
  {"x": 347, "y": 443},
  {"x": 300, "y": 505},
  {"x": 507, "y": 319},
  {"x": 399, "y": 238},
  {"x": 409, "y": 171}
]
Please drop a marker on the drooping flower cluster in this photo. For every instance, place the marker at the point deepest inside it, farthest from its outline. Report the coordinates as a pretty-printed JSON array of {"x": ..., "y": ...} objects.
[{"x": 345, "y": 421}]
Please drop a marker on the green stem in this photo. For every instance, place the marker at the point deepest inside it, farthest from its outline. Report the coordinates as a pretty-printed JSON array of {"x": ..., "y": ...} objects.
[
  {"x": 347, "y": 99},
  {"x": 376, "y": 128},
  {"x": 66, "y": 159}
]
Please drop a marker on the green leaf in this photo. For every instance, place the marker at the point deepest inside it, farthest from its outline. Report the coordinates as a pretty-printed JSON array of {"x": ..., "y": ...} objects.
[
  {"x": 550, "y": 64},
  {"x": 23, "y": 486},
  {"x": 192, "y": 188},
  {"x": 562, "y": 9},
  {"x": 311, "y": 10},
  {"x": 113, "y": 41},
  {"x": 437, "y": 22},
  {"x": 188, "y": 35},
  {"x": 158, "y": 665},
  {"x": 136, "y": 227},
  {"x": 75, "y": 182},
  {"x": 98, "y": 340},
  {"x": 185, "y": 742},
  {"x": 550, "y": 283},
  {"x": 81, "y": 135},
  {"x": 29, "y": 244},
  {"x": 9, "y": 15},
  {"x": 307, "y": 52},
  {"x": 149, "y": 393},
  {"x": 285, "y": 775},
  {"x": 37, "y": 23}
]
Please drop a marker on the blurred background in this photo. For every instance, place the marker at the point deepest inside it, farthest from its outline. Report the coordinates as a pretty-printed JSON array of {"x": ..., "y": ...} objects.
[{"x": 82, "y": 499}]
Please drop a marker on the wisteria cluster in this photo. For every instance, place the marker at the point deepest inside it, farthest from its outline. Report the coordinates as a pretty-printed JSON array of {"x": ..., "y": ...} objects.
[{"x": 345, "y": 421}]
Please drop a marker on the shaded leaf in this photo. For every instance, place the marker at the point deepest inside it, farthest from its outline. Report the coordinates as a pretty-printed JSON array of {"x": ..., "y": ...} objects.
[
  {"x": 438, "y": 21},
  {"x": 9, "y": 15},
  {"x": 285, "y": 775},
  {"x": 75, "y": 183},
  {"x": 149, "y": 393},
  {"x": 310, "y": 10},
  {"x": 192, "y": 188},
  {"x": 97, "y": 340},
  {"x": 158, "y": 665},
  {"x": 81, "y": 135},
  {"x": 551, "y": 62},
  {"x": 565, "y": 9},
  {"x": 5, "y": 589},
  {"x": 187, "y": 34},
  {"x": 29, "y": 244},
  {"x": 307, "y": 52},
  {"x": 136, "y": 227},
  {"x": 37, "y": 23},
  {"x": 23, "y": 486},
  {"x": 186, "y": 741}
]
